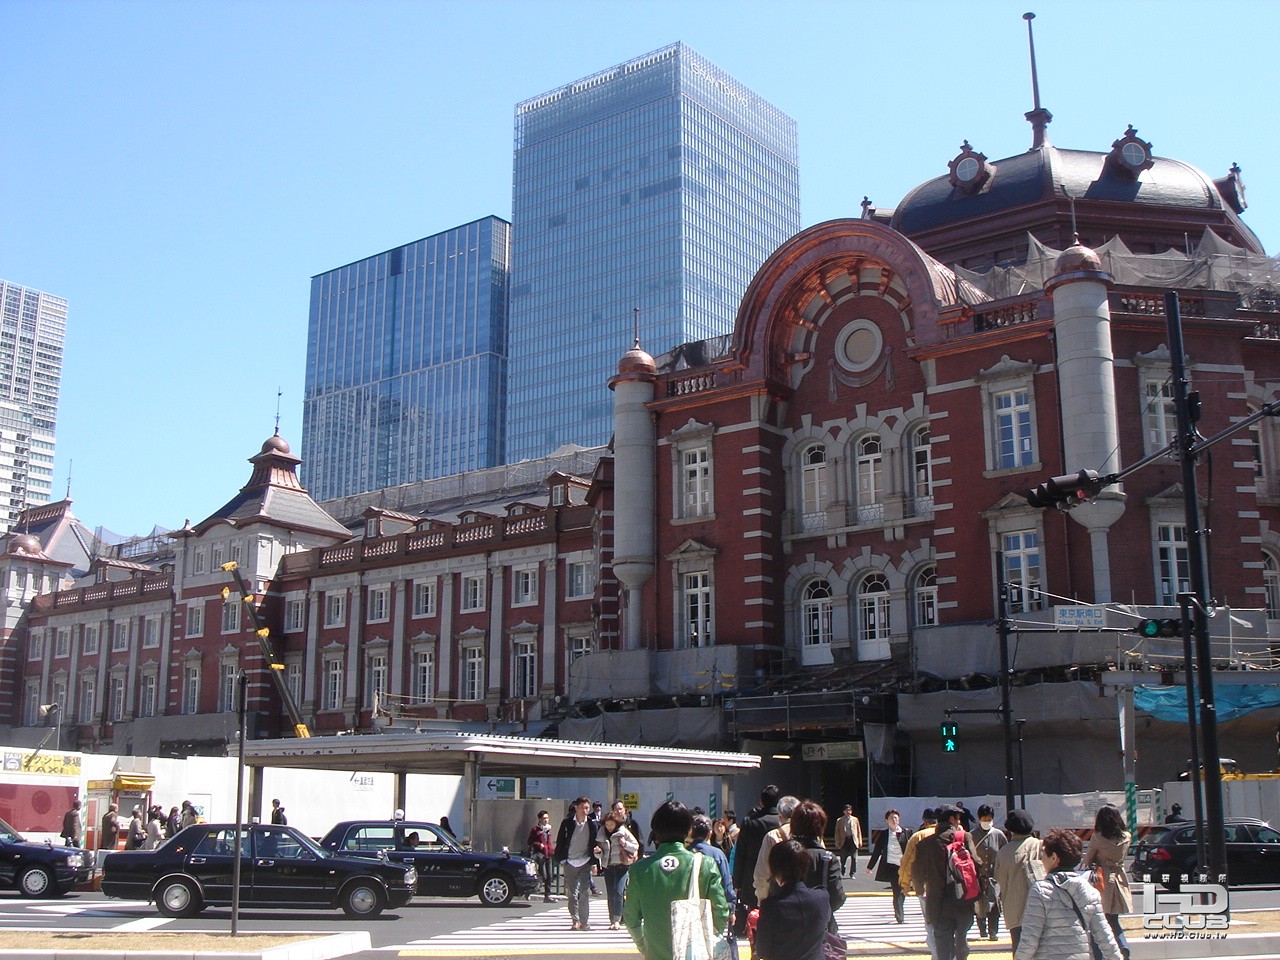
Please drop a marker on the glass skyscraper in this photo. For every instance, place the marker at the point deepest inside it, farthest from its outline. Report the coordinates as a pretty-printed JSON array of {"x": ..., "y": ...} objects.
[
  {"x": 406, "y": 363},
  {"x": 660, "y": 184},
  {"x": 33, "y": 326}
]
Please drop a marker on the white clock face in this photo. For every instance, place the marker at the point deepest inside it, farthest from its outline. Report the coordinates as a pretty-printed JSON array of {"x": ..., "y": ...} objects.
[
  {"x": 1134, "y": 154},
  {"x": 967, "y": 169}
]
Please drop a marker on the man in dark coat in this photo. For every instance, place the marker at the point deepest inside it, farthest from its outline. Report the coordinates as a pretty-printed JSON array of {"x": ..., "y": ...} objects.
[
  {"x": 751, "y": 831},
  {"x": 575, "y": 845},
  {"x": 950, "y": 918}
]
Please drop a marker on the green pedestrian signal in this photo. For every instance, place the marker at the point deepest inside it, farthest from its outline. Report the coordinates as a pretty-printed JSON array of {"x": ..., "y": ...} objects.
[{"x": 950, "y": 737}]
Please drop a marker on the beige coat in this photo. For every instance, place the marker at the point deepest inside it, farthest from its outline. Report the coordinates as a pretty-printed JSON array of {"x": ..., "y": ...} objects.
[
  {"x": 1018, "y": 866},
  {"x": 847, "y": 827},
  {"x": 1110, "y": 856}
]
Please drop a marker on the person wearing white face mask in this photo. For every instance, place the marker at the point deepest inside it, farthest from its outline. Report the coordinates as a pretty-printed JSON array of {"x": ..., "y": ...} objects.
[{"x": 988, "y": 838}]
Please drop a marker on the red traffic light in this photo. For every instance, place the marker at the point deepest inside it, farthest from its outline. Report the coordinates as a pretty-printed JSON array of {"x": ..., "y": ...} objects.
[{"x": 1066, "y": 491}]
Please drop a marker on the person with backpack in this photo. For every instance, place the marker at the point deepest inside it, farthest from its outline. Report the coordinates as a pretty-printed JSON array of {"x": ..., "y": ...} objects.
[
  {"x": 947, "y": 863},
  {"x": 1064, "y": 919}
]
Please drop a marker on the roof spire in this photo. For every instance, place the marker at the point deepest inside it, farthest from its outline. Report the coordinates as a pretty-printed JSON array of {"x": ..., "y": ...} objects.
[
  {"x": 279, "y": 392},
  {"x": 1039, "y": 117},
  {"x": 635, "y": 327}
]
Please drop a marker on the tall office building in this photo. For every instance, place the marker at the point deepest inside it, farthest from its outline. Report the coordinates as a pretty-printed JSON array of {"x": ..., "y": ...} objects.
[
  {"x": 661, "y": 184},
  {"x": 33, "y": 326},
  {"x": 406, "y": 363}
]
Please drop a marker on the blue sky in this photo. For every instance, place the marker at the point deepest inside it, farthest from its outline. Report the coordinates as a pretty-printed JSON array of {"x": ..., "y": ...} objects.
[{"x": 179, "y": 170}]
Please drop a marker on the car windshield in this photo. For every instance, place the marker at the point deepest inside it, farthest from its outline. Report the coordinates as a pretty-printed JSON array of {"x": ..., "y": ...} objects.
[{"x": 8, "y": 834}]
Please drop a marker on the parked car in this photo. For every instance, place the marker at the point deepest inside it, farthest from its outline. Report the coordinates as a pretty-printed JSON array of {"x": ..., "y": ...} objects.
[
  {"x": 40, "y": 869},
  {"x": 1169, "y": 857},
  {"x": 444, "y": 868},
  {"x": 279, "y": 867}
]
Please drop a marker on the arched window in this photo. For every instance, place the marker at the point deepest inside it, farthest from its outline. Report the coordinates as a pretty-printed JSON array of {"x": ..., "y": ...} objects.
[
  {"x": 815, "y": 613},
  {"x": 925, "y": 592},
  {"x": 921, "y": 469},
  {"x": 1271, "y": 580},
  {"x": 813, "y": 487},
  {"x": 869, "y": 477},
  {"x": 873, "y": 617}
]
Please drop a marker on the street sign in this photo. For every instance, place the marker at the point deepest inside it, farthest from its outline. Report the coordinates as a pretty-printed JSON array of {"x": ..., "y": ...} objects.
[
  {"x": 836, "y": 750},
  {"x": 1080, "y": 616},
  {"x": 632, "y": 800},
  {"x": 497, "y": 788}
]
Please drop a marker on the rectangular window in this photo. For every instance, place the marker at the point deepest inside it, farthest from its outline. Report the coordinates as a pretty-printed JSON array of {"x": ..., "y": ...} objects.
[
  {"x": 473, "y": 674},
  {"x": 120, "y": 639},
  {"x": 424, "y": 676},
  {"x": 1022, "y": 570},
  {"x": 230, "y": 616},
  {"x": 331, "y": 697},
  {"x": 90, "y": 639},
  {"x": 293, "y": 679},
  {"x": 578, "y": 580},
  {"x": 524, "y": 675},
  {"x": 580, "y": 645},
  {"x": 195, "y": 620},
  {"x": 424, "y": 598},
  {"x": 151, "y": 632},
  {"x": 217, "y": 556},
  {"x": 524, "y": 586},
  {"x": 695, "y": 482},
  {"x": 376, "y": 681},
  {"x": 293, "y": 616},
  {"x": 35, "y": 645},
  {"x": 335, "y": 609},
  {"x": 379, "y": 605},
  {"x": 147, "y": 695},
  {"x": 88, "y": 699},
  {"x": 697, "y": 609},
  {"x": 228, "y": 674},
  {"x": 191, "y": 688},
  {"x": 1159, "y": 417},
  {"x": 472, "y": 593},
  {"x": 1175, "y": 568},
  {"x": 237, "y": 552},
  {"x": 117, "y": 699},
  {"x": 1013, "y": 429},
  {"x": 199, "y": 560},
  {"x": 62, "y": 645}
]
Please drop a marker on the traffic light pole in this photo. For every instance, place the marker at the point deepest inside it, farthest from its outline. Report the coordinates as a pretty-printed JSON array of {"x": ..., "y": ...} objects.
[
  {"x": 1211, "y": 764},
  {"x": 1006, "y": 708},
  {"x": 1185, "y": 602}
]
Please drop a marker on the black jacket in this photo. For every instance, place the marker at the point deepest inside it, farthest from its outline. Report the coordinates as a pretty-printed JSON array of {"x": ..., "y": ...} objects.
[
  {"x": 566, "y": 834},
  {"x": 887, "y": 872},
  {"x": 793, "y": 924},
  {"x": 824, "y": 871},
  {"x": 751, "y": 831}
]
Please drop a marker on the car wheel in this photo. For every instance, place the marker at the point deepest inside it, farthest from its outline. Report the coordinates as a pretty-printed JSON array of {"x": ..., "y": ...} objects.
[
  {"x": 495, "y": 890},
  {"x": 362, "y": 898},
  {"x": 36, "y": 882},
  {"x": 178, "y": 898}
]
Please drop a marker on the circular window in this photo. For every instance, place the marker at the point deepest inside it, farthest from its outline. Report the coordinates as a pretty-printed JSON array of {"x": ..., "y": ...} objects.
[
  {"x": 967, "y": 169},
  {"x": 1134, "y": 153},
  {"x": 859, "y": 345}
]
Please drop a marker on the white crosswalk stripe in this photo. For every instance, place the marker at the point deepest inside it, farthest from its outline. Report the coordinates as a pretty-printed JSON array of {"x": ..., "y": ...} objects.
[{"x": 871, "y": 919}]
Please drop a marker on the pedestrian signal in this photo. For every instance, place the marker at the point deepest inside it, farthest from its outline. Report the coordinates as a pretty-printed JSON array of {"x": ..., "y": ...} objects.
[{"x": 950, "y": 737}]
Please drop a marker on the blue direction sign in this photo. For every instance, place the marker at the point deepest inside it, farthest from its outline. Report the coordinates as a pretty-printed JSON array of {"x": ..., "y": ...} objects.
[{"x": 950, "y": 737}]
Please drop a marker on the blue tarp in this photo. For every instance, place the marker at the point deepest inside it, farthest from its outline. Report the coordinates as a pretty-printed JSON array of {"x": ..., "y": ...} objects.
[{"x": 1233, "y": 700}]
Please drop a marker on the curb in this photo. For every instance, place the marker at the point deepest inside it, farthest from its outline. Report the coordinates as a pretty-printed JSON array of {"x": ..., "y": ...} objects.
[{"x": 319, "y": 948}]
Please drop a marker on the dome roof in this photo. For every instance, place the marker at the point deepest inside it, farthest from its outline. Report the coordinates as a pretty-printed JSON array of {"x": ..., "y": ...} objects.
[
  {"x": 275, "y": 444},
  {"x": 1075, "y": 258},
  {"x": 1047, "y": 173},
  {"x": 636, "y": 360},
  {"x": 25, "y": 543}
]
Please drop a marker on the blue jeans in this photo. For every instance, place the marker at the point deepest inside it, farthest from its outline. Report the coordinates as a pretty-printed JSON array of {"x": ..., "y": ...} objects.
[
  {"x": 615, "y": 885},
  {"x": 1117, "y": 931}
]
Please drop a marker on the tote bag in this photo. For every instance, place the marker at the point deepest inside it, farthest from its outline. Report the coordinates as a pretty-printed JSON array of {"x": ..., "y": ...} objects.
[{"x": 693, "y": 932}]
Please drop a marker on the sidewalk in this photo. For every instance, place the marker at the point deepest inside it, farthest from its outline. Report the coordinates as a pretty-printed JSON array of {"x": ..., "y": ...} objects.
[{"x": 140, "y": 945}]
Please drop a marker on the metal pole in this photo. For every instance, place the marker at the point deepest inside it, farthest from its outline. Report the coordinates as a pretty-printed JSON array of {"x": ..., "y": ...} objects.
[
  {"x": 1006, "y": 711},
  {"x": 1022, "y": 772},
  {"x": 1193, "y": 774},
  {"x": 1199, "y": 583},
  {"x": 242, "y": 703}
]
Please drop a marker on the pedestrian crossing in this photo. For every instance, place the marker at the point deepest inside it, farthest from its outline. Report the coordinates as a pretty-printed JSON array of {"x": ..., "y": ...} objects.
[{"x": 866, "y": 922}]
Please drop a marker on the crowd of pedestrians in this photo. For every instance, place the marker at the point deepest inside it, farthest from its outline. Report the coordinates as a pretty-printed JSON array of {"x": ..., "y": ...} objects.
[{"x": 146, "y": 828}]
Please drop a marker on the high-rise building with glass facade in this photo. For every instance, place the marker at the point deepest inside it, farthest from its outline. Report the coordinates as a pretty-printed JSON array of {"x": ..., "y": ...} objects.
[
  {"x": 33, "y": 326},
  {"x": 660, "y": 184},
  {"x": 406, "y": 363}
]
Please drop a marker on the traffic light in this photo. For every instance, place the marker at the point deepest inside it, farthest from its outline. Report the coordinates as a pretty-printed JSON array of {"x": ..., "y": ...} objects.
[
  {"x": 1067, "y": 491},
  {"x": 1158, "y": 628},
  {"x": 950, "y": 737}
]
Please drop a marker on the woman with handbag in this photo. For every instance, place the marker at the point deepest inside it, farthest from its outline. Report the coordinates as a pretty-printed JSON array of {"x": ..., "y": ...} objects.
[
  {"x": 1063, "y": 919},
  {"x": 617, "y": 850},
  {"x": 1108, "y": 849},
  {"x": 794, "y": 917}
]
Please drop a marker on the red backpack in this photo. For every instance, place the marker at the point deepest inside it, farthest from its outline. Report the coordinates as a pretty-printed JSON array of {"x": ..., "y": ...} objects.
[{"x": 962, "y": 872}]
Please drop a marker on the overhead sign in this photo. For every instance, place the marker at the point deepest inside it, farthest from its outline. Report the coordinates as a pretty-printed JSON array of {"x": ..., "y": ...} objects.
[
  {"x": 836, "y": 750},
  {"x": 497, "y": 788},
  {"x": 1080, "y": 616}
]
